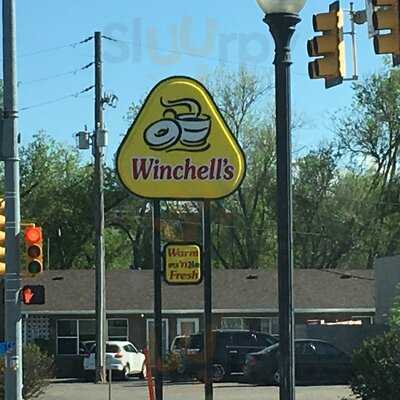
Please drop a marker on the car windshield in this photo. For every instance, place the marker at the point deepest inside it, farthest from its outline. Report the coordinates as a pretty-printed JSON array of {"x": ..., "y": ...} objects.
[
  {"x": 180, "y": 343},
  {"x": 196, "y": 342}
]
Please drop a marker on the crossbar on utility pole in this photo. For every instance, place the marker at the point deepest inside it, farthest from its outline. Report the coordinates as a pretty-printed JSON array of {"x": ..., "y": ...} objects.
[
  {"x": 9, "y": 150},
  {"x": 99, "y": 216}
]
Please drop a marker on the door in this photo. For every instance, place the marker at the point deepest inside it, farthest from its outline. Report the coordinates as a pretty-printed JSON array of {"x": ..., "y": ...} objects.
[
  {"x": 306, "y": 360},
  {"x": 242, "y": 344},
  {"x": 135, "y": 361},
  {"x": 333, "y": 363}
]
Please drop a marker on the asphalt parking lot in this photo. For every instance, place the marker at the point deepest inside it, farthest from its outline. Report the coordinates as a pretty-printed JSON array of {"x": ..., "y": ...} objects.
[{"x": 137, "y": 390}]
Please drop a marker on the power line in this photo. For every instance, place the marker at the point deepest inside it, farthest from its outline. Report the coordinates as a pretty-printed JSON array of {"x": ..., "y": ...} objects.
[
  {"x": 57, "y": 99},
  {"x": 71, "y": 72},
  {"x": 53, "y": 49},
  {"x": 172, "y": 51}
]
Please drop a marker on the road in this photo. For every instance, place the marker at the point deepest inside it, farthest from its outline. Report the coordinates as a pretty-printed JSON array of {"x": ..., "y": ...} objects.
[{"x": 137, "y": 390}]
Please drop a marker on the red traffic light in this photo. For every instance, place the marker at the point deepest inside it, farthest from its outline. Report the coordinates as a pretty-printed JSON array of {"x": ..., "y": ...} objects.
[
  {"x": 33, "y": 234},
  {"x": 33, "y": 294},
  {"x": 34, "y": 249}
]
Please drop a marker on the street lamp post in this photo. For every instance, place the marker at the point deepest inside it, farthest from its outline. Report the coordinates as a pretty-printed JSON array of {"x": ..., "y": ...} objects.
[{"x": 282, "y": 17}]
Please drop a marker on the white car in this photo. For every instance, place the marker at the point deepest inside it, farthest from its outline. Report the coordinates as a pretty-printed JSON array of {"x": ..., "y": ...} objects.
[{"x": 122, "y": 357}]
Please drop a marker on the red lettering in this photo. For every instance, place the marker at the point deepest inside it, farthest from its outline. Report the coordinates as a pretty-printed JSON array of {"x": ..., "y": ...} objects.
[
  {"x": 178, "y": 168},
  {"x": 229, "y": 172},
  {"x": 189, "y": 168},
  {"x": 166, "y": 169},
  {"x": 212, "y": 168},
  {"x": 202, "y": 172},
  {"x": 141, "y": 167},
  {"x": 152, "y": 169}
]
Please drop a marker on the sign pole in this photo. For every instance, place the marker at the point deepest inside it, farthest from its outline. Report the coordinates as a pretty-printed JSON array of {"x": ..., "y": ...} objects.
[
  {"x": 208, "y": 388},
  {"x": 157, "y": 299},
  {"x": 9, "y": 154}
]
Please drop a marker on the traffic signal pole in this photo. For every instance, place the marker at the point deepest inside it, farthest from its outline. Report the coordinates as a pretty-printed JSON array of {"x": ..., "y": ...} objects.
[
  {"x": 9, "y": 147},
  {"x": 99, "y": 217}
]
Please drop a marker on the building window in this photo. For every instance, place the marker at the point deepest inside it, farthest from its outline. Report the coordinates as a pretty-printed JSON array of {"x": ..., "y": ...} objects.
[
  {"x": 268, "y": 325},
  {"x": 118, "y": 329},
  {"x": 67, "y": 337},
  {"x": 73, "y": 334},
  {"x": 187, "y": 326},
  {"x": 232, "y": 323}
]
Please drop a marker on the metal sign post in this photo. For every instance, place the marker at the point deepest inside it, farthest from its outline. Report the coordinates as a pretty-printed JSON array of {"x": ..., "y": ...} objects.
[
  {"x": 157, "y": 299},
  {"x": 208, "y": 387}
]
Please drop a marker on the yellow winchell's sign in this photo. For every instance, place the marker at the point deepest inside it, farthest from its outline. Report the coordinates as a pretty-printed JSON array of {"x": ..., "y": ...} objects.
[
  {"x": 179, "y": 146},
  {"x": 182, "y": 263}
]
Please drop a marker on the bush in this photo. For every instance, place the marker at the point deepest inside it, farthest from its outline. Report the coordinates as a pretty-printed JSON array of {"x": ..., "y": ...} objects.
[
  {"x": 38, "y": 369},
  {"x": 376, "y": 366}
]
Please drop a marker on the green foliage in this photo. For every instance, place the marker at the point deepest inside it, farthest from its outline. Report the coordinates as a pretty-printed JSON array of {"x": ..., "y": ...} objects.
[
  {"x": 369, "y": 138},
  {"x": 56, "y": 194},
  {"x": 38, "y": 369},
  {"x": 394, "y": 317},
  {"x": 376, "y": 366}
]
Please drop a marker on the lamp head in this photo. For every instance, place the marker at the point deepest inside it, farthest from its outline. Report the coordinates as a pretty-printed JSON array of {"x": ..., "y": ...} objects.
[{"x": 281, "y": 6}]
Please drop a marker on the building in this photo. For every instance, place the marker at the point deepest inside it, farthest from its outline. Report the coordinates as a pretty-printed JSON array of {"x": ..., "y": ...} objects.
[{"x": 245, "y": 299}]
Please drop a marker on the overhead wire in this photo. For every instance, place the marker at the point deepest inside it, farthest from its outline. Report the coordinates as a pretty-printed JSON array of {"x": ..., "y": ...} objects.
[
  {"x": 179, "y": 52},
  {"x": 77, "y": 94},
  {"x": 71, "y": 72},
  {"x": 75, "y": 71}
]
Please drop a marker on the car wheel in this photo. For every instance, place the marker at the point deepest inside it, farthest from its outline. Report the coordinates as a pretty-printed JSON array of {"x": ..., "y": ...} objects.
[
  {"x": 218, "y": 373},
  {"x": 125, "y": 372},
  {"x": 143, "y": 374}
]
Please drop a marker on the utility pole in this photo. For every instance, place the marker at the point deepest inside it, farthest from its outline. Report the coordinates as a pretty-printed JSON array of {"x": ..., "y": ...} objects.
[
  {"x": 97, "y": 148},
  {"x": 9, "y": 150}
]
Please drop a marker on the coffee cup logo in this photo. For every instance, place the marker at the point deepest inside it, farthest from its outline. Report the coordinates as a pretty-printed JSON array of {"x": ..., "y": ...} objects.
[
  {"x": 190, "y": 128},
  {"x": 180, "y": 147}
]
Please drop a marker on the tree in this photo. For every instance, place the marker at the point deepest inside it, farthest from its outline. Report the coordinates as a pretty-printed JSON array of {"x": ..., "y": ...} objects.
[
  {"x": 328, "y": 211},
  {"x": 56, "y": 194},
  {"x": 369, "y": 136},
  {"x": 244, "y": 230}
]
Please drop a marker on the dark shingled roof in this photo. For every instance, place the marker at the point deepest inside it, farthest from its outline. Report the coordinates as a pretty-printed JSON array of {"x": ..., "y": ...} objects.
[{"x": 132, "y": 291}]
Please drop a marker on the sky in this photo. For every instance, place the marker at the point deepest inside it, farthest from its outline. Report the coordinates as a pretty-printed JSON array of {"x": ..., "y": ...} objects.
[{"x": 157, "y": 39}]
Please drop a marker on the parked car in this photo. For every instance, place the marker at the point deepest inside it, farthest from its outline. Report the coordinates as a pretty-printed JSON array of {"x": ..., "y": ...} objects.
[
  {"x": 122, "y": 357},
  {"x": 316, "y": 362},
  {"x": 84, "y": 347},
  {"x": 179, "y": 344},
  {"x": 229, "y": 350},
  {"x": 173, "y": 363}
]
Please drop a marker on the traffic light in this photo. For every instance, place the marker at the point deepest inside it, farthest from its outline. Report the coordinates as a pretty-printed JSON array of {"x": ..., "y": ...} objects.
[
  {"x": 34, "y": 249},
  {"x": 386, "y": 17},
  {"x": 2, "y": 236},
  {"x": 329, "y": 47},
  {"x": 32, "y": 294}
]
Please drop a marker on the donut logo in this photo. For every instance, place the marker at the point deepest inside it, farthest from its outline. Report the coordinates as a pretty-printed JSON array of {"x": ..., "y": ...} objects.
[
  {"x": 190, "y": 128},
  {"x": 180, "y": 147}
]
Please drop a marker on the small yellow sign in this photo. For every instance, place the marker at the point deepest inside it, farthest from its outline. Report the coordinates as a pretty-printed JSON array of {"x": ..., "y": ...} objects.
[
  {"x": 180, "y": 147},
  {"x": 182, "y": 263}
]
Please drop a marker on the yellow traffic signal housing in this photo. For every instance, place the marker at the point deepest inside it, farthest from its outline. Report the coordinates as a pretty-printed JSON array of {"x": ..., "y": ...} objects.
[
  {"x": 329, "y": 47},
  {"x": 386, "y": 17},
  {"x": 2, "y": 236},
  {"x": 34, "y": 249}
]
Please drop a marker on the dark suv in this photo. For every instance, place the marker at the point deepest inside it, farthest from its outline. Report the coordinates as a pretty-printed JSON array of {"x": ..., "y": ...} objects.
[{"x": 229, "y": 350}]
